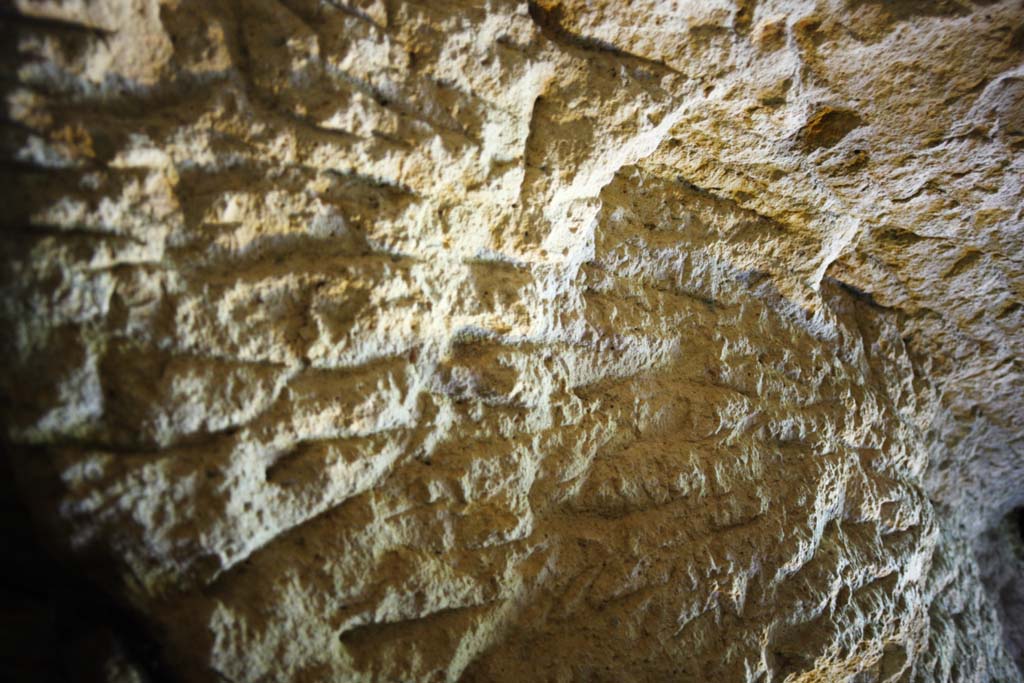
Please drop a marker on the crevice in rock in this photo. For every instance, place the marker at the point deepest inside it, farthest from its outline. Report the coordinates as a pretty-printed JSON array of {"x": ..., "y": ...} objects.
[
  {"x": 549, "y": 21},
  {"x": 1000, "y": 554}
]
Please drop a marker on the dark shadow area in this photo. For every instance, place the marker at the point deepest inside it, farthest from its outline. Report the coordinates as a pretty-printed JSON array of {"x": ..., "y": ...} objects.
[
  {"x": 1000, "y": 554},
  {"x": 55, "y": 625}
]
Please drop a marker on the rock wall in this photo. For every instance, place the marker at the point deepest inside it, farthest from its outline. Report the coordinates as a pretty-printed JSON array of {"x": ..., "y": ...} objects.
[{"x": 379, "y": 340}]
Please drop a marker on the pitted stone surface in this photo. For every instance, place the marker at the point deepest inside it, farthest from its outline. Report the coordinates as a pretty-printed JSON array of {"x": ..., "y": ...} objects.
[{"x": 547, "y": 341}]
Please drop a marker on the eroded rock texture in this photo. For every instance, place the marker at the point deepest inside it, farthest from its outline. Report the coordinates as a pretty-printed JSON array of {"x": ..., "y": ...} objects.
[{"x": 378, "y": 340}]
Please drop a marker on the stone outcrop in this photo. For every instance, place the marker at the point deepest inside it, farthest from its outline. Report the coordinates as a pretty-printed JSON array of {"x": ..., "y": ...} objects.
[{"x": 374, "y": 340}]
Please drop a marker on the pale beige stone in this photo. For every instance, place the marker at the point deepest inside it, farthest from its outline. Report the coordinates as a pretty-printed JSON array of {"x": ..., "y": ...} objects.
[{"x": 526, "y": 341}]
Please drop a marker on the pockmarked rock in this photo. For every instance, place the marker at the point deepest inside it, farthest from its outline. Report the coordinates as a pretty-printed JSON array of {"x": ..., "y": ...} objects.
[{"x": 558, "y": 340}]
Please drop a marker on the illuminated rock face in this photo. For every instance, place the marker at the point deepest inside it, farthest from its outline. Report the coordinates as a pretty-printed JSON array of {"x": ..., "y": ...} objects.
[{"x": 502, "y": 341}]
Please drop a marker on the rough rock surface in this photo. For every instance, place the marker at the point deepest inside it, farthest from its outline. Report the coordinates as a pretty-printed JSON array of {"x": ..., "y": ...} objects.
[{"x": 375, "y": 340}]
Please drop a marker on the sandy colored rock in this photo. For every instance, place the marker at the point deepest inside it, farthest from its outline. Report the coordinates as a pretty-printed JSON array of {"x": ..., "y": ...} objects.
[{"x": 543, "y": 341}]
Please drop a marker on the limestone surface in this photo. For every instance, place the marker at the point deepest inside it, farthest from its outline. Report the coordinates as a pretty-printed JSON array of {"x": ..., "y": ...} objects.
[{"x": 558, "y": 340}]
